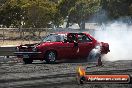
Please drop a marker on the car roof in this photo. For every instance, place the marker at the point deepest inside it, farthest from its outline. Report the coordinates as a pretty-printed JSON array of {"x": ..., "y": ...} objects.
[
  {"x": 69, "y": 33},
  {"x": 66, "y": 33}
]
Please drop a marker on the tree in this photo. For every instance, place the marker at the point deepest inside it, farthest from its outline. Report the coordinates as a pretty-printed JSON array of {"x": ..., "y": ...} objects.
[
  {"x": 84, "y": 9},
  {"x": 116, "y": 8},
  {"x": 78, "y": 11},
  {"x": 2, "y": 1},
  {"x": 11, "y": 13},
  {"x": 28, "y": 13},
  {"x": 39, "y": 13}
]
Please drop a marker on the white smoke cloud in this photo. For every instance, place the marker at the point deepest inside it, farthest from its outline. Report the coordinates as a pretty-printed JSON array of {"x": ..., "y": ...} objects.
[{"x": 119, "y": 37}]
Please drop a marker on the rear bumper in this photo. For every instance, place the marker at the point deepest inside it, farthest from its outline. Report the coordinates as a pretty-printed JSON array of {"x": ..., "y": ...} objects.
[{"x": 105, "y": 51}]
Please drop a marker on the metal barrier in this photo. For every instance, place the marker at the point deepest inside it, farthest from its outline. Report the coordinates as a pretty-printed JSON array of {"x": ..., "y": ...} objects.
[
  {"x": 7, "y": 50},
  {"x": 7, "y": 55}
]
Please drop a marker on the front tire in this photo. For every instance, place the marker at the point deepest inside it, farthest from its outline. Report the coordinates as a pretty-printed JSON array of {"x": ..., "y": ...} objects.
[
  {"x": 50, "y": 57},
  {"x": 27, "y": 61}
]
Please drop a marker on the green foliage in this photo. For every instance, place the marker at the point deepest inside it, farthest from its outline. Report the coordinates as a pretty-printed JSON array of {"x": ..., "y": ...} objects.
[
  {"x": 78, "y": 11},
  {"x": 117, "y": 8},
  {"x": 10, "y": 14},
  {"x": 85, "y": 8},
  {"x": 28, "y": 13},
  {"x": 40, "y": 13}
]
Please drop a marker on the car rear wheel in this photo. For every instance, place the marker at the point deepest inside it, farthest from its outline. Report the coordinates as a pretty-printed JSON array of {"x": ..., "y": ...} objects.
[
  {"x": 50, "y": 57},
  {"x": 27, "y": 61},
  {"x": 95, "y": 57}
]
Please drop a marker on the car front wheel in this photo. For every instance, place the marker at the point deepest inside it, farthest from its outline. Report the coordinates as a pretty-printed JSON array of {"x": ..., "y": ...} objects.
[
  {"x": 27, "y": 61},
  {"x": 50, "y": 57}
]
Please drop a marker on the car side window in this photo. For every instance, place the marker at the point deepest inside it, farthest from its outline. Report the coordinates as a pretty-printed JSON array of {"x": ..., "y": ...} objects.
[
  {"x": 53, "y": 38},
  {"x": 83, "y": 38},
  {"x": 58, "y": 38},
  {"x": 49, "y": 38},
  {"x": 71, "y": 38}
]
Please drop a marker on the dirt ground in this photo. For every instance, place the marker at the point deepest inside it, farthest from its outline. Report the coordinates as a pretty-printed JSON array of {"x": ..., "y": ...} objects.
[{"x": 15, "y": 74}]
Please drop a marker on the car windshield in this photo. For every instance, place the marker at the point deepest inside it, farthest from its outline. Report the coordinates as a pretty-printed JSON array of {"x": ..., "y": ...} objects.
[{"x": 53, "y": 38}]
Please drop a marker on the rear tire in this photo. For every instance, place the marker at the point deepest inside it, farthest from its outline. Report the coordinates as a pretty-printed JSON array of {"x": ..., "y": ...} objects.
[
  {"x": 95, "y": 57},
  {"x": 50, "y": 57},
  {"x": 27, "y": 61}
]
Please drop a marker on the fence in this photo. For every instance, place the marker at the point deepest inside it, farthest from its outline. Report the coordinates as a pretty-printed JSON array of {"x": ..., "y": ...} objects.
[
  {"x": 23, "y": 33},
  {"x": 13, "y": 36},
  {"x": 16, "y": 36}
]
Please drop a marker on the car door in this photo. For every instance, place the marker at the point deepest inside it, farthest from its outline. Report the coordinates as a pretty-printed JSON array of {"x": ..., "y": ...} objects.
[
  {"x": 69, "y": 48},
  {"x": 85, "y": 45},
  {"x": 65, "y": 49}
]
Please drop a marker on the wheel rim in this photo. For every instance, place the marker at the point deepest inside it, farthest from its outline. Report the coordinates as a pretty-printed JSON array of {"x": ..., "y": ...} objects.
[
  {"x": 93, "y": 57},
  {"x": 51, "y": 56}
]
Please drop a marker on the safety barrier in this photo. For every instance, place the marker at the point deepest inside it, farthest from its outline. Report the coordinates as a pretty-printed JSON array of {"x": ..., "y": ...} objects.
[
  {"x": 7, "y": 55},
  {"x": 7, "y": 50}
]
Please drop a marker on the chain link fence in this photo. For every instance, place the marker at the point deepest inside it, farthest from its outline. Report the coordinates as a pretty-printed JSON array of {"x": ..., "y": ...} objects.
[
  {"x": 17, "y": 36},
  {"x": 23, "y": 35}
]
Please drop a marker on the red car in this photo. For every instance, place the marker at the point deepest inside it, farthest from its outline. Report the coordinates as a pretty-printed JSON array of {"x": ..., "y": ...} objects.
[{"x": 56, "y": 46}]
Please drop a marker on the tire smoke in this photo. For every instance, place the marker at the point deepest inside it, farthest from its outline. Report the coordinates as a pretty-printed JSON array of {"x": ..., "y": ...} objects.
[
  {"x": 94, "y": 54},
  {"x": 119, "y": 37}
]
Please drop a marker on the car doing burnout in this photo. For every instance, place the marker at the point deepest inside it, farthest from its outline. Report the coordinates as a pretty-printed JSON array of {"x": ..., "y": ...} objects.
[{"x": 56, "y": 46}]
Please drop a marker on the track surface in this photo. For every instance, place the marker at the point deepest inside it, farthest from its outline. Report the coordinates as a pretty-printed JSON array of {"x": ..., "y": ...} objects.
[{"x": 59, "y": 75}]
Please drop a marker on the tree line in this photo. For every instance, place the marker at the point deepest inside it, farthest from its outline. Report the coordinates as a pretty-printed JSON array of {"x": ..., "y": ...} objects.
[{"x": 44, "y": 13}]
